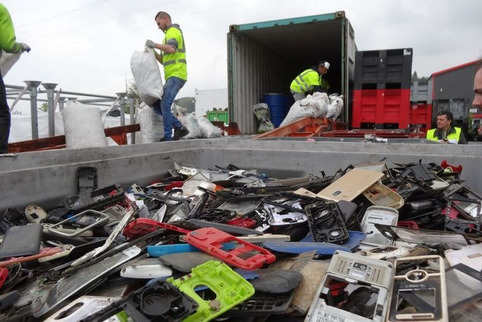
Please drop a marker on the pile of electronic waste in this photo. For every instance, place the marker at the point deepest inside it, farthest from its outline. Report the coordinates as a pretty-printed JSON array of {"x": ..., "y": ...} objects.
[{"x": 369, "y": 242}]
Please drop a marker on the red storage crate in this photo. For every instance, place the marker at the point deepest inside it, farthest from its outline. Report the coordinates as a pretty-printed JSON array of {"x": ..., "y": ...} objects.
[
  {"x": 421, "y": 115},
  {"x": 381, "y": 108}
]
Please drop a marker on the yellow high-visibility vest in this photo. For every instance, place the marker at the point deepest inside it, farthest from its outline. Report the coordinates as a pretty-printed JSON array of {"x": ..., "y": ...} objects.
[
  {"x": 175, "y": 63},
  {"x": 305, "y": 81},
  {"x": 450, "y": 136}
]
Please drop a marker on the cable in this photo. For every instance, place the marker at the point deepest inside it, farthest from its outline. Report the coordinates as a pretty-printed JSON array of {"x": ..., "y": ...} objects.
[
  {"x": 92, "y": 25},
  {"x": 37, "y": 4},
  {"x": 139, "y": 27},
  {"x": 62, "y": 14}
]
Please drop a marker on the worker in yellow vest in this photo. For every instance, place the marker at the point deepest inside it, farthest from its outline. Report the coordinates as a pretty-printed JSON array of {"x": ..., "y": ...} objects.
[
  {"x": 9, "y": 44},
  {"x": 310, "y": 81},
  {"x": 445, "y": 132},
  {"x": 173, "y": 58}
]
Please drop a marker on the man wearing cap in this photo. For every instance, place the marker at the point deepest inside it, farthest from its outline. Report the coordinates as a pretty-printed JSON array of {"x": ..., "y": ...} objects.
[{"x": 310, "y": 81}]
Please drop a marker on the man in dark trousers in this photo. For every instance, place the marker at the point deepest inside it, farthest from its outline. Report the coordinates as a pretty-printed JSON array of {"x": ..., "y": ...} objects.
[
  {"x": 8, "y": 44},
  {"x": 173, "y": 58}
]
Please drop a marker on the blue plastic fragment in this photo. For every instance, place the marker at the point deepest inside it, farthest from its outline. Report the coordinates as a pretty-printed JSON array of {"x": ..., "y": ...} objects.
[
  {"x": 248, "y": 275},
  {"x": 159, "y": 250},
  {"x": 303, "y": 247}
]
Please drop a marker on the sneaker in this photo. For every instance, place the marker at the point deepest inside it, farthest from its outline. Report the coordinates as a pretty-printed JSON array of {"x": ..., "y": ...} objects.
[{"x": 180, "y": 133}]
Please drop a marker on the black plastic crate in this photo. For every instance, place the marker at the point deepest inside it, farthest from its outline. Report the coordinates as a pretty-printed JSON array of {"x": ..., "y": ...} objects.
[{"x": 383, "y": 69}]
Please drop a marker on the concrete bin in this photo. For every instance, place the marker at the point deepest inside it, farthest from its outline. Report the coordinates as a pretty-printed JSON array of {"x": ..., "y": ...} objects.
[{"x": 48, "y": 177}]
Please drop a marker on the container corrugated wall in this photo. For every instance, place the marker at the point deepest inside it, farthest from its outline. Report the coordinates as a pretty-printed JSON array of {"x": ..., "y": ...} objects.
[
  {"x": 265, "y": 57},
  {"x": 260, "y": 74}
]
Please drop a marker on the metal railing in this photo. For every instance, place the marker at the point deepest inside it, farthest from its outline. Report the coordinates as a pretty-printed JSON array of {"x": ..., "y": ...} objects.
[{"x": 58, "y": 97}]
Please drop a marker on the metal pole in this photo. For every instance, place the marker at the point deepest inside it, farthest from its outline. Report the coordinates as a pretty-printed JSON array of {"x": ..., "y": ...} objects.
[
  {"x": 51, "y": 109},
  {"x": 122, "y": 104},
  {"x": 61, "y": 103},
  {"x": 32, "y": 86},
  {"x": 132, "y": 113}
]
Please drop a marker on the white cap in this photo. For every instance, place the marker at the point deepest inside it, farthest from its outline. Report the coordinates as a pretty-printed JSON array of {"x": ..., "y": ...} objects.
[{"x": 326, "y": 64}]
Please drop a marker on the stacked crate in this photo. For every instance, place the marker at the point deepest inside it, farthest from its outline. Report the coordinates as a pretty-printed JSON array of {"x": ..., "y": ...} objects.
[{"x": 381, "y": 96}]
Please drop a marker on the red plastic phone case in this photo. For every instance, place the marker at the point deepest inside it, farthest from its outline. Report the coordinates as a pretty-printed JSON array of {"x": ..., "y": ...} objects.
[
  {"x": 242, "y": 222},
  {"x": 248, "y": 256},
  {"x": 143, "y": 226}
]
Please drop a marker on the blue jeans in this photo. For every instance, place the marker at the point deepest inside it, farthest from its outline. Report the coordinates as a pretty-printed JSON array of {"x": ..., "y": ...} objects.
[
  {"x": 163, "y": 106},
  {"x": 4, "y": 118}
]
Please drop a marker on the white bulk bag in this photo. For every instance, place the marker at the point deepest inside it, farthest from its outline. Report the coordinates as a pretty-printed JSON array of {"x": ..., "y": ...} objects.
[
  {"x": 152, "y": 125},
  {"x": 190, "y": 122},
  {"x": 208, "y": 130},
  {"x": 7, "y": 60},
  {"x": 315, "y": 105},
  {"x": 83, "y": 126},
  {"x": 147, "y": 76}
]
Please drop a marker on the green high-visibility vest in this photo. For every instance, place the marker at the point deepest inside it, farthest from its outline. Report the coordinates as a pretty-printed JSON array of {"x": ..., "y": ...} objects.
[
  {"x": 175, "y": 63},
  {"x": 305, "y": 81},
  {"x": 7, "y": 35},
  {"x": 451, "y": 136}
]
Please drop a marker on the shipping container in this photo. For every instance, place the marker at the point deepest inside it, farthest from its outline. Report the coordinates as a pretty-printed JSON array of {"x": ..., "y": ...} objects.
[{"x": 264, "y": 57}]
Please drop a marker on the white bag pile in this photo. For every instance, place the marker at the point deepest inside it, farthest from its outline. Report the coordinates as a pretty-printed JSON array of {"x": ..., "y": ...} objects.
[
  {"x": 199, "y": 127},
  {"x": 316, "y": 105}
]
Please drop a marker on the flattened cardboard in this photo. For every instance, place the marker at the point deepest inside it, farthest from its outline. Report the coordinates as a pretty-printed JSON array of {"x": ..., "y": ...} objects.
[{"x": 351, "y": 185}]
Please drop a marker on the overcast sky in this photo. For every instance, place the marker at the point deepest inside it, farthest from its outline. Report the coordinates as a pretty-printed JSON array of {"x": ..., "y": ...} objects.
[{"x": 86, "y": 45}]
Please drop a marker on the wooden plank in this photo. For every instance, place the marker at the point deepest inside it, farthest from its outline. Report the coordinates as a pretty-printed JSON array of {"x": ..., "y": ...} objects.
[{"x": 118, "y": 133}]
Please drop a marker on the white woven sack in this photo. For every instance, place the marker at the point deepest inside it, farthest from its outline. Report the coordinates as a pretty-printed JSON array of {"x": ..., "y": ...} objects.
[
  {"x": 147, "y": 76},
  {"x": 83, "y": 126},
  {"x": 7, "y": 60}
]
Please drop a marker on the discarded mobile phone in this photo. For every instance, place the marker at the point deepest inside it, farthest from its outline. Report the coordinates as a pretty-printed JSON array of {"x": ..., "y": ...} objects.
[
  {"x": 81, "y": 308},
  {"x": 143, "y": 226},
  {"x": 85, "y": 220},
  {"x": 468, "y": 202},
  {"x": 378, "y": 215},
  {"x": 35, "y": 214},
  {"x": 86, "y": 179},
  {"x": 380, "y": 195},
  {"x": 326, "y": 222},
  {"x": 97, "y": 199},
  {"x": 229, "y": 287},
  {"x": 419, "y": 290},
  {"x": 353, "y": 283},
  {"x": 21, "y": 241},
  {"x": 211, "y": 240}
]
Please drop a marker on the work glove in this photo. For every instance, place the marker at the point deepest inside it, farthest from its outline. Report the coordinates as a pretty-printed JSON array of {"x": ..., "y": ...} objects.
[
  {"x": 150, "y": 43},
  {"x": 24, "y": 47}
]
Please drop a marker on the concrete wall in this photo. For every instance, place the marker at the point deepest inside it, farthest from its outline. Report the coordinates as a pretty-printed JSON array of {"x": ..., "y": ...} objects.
[{"x": 46, "y": 178}]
